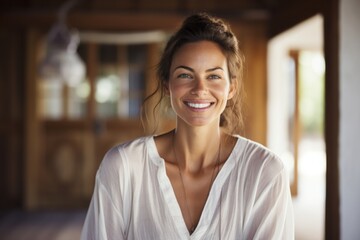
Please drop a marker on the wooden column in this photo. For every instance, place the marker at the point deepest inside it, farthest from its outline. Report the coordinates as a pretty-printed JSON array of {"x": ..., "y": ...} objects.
[
  {"x": 32, "y": 141},
  {"x": 331, "y": 36}
]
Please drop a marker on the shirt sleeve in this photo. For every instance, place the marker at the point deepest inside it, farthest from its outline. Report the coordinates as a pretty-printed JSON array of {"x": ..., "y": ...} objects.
[
  {"x": 105, "y": 218},
  {"x": 272, "y": 212}
]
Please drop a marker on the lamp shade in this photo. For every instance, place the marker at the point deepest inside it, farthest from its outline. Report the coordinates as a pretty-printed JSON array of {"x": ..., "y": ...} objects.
[{"x": 61, "y": 62}]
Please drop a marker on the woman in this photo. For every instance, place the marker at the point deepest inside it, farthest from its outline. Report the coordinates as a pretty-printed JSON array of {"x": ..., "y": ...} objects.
[{"x": 199, "y": 181}]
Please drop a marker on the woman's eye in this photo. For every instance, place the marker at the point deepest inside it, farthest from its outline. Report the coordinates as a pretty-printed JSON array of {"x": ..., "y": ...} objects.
[
  {"x": 214, "y": 77},
  {"x": 184, "y": 75}
]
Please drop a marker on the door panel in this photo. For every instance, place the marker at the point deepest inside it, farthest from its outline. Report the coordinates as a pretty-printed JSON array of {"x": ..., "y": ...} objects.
[{"x": 76, "y": 125}]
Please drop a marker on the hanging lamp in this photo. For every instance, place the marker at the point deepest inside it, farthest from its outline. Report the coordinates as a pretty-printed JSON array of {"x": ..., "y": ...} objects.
[{"x": 61, "y": 61}]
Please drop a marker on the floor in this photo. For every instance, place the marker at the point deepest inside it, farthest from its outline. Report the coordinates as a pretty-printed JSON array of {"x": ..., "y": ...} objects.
[
  {"x": 309, "y": 205},
  {"x": 19, "y": 225}
]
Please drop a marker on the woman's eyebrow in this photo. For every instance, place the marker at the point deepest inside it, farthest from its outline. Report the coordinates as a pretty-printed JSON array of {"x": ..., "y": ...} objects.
[
  {"x": 185, "y": 67},
  {"x": 192, "y": 70},
  {"x": 214, "y": 69}
]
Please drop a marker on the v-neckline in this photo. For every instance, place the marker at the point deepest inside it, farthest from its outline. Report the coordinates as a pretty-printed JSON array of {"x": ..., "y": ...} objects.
[{"x": 170, "y": 197}]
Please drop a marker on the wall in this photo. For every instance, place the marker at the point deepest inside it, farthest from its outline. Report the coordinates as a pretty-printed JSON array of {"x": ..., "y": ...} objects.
[
  {"x": 305, "y": 36},
  {"x": 349, "y": 161}
]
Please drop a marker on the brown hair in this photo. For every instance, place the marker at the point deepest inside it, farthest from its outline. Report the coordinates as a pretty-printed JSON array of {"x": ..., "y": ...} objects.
[{"x": 203, "y": 27}]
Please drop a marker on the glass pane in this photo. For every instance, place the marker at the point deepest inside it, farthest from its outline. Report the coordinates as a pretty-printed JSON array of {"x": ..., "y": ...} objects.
[
  {"x": 107, "y": 82},
  {"x": 78, "y": 97},
  {"x": 120, "y": 81},
  {"x": 107, "y": 94},
  {"x": 137, "y": 58},
  {"x": 51, "y": 99},
  {"x": 54, "y": 94}
]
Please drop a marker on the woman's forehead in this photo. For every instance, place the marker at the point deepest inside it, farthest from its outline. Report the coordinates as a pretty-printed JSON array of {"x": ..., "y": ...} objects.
[{"x": 202, "y": 55}]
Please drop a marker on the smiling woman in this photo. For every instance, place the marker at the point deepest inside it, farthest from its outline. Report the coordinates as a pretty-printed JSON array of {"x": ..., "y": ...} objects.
[
  {"x": 202, "y": 27},
  {"x": 200, "y": 180},
  {"x": 199, "y": 85}
]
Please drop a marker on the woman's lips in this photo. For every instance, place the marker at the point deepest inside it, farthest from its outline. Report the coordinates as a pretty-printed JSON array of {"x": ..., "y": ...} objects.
[{"x": 199, "y": 105}]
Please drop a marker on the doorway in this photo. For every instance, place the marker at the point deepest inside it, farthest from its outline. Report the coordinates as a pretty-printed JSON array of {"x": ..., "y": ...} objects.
[{"x": 296, "y": 116}]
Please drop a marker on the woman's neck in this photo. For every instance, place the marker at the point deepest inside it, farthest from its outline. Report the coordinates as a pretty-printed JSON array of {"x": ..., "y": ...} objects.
[{"x": 197, "y": 148}]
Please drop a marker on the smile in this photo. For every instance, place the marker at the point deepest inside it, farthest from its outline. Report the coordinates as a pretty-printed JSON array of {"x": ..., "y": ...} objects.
[{"x": 198, "y": 105}]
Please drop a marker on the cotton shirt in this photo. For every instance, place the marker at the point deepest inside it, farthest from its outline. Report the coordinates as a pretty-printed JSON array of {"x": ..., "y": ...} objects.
[{"x": 134, "y": 198}]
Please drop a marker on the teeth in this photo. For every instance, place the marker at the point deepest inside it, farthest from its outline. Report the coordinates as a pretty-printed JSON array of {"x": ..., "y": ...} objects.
[{"x": 198, "y": 105}]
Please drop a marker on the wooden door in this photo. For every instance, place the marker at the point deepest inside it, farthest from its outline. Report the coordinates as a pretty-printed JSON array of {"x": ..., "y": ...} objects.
[{"x": 70, "y": 128}]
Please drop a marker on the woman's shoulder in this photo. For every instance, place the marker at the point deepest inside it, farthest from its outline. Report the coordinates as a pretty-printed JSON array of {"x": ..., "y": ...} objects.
[
  {"x": 119, "y": 157},
  {"x": 258, "y": 157}
]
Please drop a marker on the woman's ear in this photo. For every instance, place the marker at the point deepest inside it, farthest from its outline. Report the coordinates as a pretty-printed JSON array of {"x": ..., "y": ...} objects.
[{"x": 233, "y": 88}]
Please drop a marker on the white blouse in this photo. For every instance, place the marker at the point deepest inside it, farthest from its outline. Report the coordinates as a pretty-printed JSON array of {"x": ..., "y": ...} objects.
[{"x": 134, "y": 199}]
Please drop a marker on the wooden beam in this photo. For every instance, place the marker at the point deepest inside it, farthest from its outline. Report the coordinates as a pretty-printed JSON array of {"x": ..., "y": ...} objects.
[
  {"x": 127, "y": 21},
  {"x": 287, "y": 16}
]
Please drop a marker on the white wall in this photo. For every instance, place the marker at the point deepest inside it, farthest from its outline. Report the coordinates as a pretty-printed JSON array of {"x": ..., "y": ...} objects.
[
  {"x": 349, "y": 155},
  {"x": 307, "y": 35}
]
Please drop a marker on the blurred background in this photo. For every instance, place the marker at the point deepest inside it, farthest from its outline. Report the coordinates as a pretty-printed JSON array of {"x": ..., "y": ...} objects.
[{"x": 74, "y": 74}]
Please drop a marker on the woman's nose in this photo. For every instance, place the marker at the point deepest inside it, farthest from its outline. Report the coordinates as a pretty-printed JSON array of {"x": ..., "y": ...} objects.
[{"x": 199, "y": 87}]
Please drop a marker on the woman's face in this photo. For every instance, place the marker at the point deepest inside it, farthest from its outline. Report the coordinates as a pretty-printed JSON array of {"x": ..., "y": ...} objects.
[{"x": 199, "y": 84}]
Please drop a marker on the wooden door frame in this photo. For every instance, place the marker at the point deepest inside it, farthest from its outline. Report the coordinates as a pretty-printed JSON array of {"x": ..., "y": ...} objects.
[
  {"x": 31, "y": 123},
  {"x": 296, "y": 130}
]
